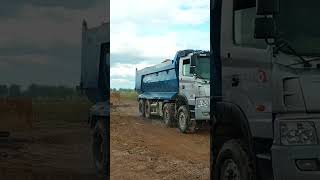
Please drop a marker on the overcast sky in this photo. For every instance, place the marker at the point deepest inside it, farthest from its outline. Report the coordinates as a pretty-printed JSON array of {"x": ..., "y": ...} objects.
[
  {"x": 40, "y": 39},
  {"x": 146, "y": 32}
]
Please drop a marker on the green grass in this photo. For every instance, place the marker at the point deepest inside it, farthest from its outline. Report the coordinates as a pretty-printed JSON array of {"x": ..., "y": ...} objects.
[{"x": 128, "y": 95}]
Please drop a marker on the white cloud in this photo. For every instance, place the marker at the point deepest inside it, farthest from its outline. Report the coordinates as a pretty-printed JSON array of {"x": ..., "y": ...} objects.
[
  {"x": 126, "y": 70},
  {"x": 153, "y": 31},
  {"x": 164, "y": 11},
  {"x": 130, "y": 19},
  {"x": 130, "y": 42},
  {"x": 122, "y": 81}
]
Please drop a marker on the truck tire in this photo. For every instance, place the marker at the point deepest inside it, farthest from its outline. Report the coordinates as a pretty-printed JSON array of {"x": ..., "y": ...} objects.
[
  {"x": 233, "y": 162},
  {"x": 99, "y": 148},
  {"x": 169, "y": 115},
  {"x": 141, "y": 108},
  {"x": 185, "y": 124},
  {"x": 147, "y": 109}
]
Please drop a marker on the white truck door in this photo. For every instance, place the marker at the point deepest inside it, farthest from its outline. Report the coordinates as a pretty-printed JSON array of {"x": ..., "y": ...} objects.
[{"x": 186, "y": 80}]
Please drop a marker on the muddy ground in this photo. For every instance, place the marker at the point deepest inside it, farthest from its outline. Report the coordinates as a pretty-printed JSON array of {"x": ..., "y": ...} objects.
[
  {"x": 58, "y": 147},
  {"x": 145, "y": 149}
]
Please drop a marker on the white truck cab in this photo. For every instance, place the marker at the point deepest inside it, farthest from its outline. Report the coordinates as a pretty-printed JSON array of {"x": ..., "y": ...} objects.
[
  {"x": 265, "y": 77},
  {"x": 194, "y": 83}
]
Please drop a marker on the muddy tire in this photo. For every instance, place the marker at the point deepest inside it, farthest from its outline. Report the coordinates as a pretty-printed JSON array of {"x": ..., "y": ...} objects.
[
  {"x": 147, "y": 109},
  {"x": 185, "y": 124},
  {"x": 141, "y": 108},
  {"x": 233, "y": 162},
  {"x": 100, "y": 148},
  {"x": 169, "y": 115}
]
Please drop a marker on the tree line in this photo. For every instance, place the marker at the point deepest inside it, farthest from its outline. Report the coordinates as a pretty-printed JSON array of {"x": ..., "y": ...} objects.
[
  {"x": 125, "y": 90},
  {"x": 37, "y": 90}
]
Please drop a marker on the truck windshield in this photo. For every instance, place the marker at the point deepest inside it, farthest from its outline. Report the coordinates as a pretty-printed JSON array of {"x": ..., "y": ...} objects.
[
  {"x": 203, "y": 67},
  {"x": 299, "y": 26}
]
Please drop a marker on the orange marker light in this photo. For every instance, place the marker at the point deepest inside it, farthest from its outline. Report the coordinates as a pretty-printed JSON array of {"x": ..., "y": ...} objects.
[{"x": 260, "y": 108}]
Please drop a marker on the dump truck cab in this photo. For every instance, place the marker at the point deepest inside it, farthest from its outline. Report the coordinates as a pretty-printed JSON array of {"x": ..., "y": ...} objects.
[
  {"x": 265, "y": 77},
  {"x": 194, "y": 83}
]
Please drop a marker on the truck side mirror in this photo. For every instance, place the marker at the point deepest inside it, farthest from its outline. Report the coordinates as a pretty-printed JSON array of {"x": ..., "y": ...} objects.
[
  {"x": 264, "y": 28},
  {"x": 267, "y": 7},
  {"x": 193, "y": 61}
]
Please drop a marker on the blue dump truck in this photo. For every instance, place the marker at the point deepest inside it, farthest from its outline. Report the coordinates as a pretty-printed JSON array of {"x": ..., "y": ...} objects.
[
  {"x": 95, "y": 75},
  {"x": 177, "y": 90}
]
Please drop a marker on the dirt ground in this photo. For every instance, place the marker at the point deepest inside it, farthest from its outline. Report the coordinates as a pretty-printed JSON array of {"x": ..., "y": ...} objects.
[
  {"x": 56, "y": 148},
  {"x": 144, "y": 149}
]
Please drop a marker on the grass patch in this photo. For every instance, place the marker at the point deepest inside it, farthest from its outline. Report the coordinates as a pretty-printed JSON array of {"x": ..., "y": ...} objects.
[{"x": 129, "y": 95}]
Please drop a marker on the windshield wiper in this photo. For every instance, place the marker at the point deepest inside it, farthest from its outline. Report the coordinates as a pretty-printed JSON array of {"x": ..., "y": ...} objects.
[
  {"x": 311, "y": 60},
  {"x": 199, "y": 76},
  {"x": 283, "y": 44}
]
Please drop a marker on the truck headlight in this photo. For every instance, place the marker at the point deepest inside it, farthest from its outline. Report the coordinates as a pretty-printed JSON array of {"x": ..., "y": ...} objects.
[
  {"x": 203, "y": 103},
  {"x": 298, "y": 133}
]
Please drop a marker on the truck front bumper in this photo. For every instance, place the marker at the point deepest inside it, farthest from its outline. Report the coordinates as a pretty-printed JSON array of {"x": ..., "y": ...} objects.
[
  {"x": 296, "y": 162},
  {"x": 287, "y": 162},
  {"x": 202, "y": 112}
]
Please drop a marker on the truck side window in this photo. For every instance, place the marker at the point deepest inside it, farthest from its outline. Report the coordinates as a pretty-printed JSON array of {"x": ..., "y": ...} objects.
[
  {"x": 244, "y": 13},
  {"x": 186, "y": 68}
]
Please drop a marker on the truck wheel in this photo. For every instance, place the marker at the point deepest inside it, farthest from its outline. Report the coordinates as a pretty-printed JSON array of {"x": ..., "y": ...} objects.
[
  {"x": 141, "y": 108},
  {"x": 184, "y": 122},
  {"x": 168, "y": 115},
  {"x": 233, "y": 162},
  {"x": 100, "y": 148},
  {"x": 147, "y": 109}
]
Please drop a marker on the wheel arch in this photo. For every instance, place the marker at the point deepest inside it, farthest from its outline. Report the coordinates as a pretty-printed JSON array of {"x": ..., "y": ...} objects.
[
  {"x": 181, "y": 99},
  {"x": 229, "y": 117}
]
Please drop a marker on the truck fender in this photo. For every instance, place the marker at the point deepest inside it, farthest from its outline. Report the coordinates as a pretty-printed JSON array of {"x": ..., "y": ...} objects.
[
  {"x": 181, "y": 100},
  {"x": 231, "y": 122}
]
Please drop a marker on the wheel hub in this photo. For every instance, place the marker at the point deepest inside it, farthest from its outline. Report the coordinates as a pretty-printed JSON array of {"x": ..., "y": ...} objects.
[
  {"x": 182, "y": 120},
  {"x": 147, "y": 108},
  {"x": 166, "y": 116},
  {"x": 230, "y": 171}
]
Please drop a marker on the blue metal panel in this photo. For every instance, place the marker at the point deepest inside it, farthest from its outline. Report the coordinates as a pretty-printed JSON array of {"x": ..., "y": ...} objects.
[
  {"x": 160, "y": 81},
  {"x": 158, "y": 78},
  {"x": 158, "y": 95}
]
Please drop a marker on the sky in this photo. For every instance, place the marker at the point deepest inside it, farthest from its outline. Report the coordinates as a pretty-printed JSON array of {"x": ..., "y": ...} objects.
[
  {"x": 146, "y": 32},
  {"x": 40, "y": 40}
]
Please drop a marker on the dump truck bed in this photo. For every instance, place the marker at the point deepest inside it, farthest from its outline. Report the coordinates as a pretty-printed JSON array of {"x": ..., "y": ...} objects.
[{"x": 157, "y": 82}]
